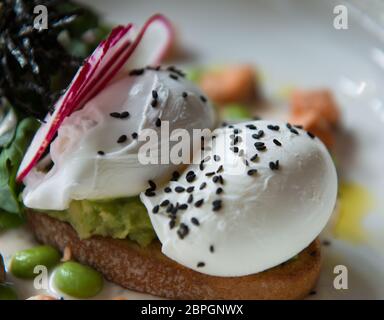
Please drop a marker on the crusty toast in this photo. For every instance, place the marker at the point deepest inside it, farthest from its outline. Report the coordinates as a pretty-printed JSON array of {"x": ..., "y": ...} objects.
[{"x": 148, "y": 270}]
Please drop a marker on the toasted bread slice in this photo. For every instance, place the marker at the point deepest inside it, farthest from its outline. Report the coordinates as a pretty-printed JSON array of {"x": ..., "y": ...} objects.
[{"x": 148, "y": 270}]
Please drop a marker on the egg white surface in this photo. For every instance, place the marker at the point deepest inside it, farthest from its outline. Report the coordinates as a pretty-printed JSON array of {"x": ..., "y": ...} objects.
[
  {"x": 265, "y": 218},
  {"x": 79, "y": 172}
]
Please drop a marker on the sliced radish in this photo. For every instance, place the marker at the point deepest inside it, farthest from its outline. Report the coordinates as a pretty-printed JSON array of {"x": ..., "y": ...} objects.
[{"x": 113, "y": 56}]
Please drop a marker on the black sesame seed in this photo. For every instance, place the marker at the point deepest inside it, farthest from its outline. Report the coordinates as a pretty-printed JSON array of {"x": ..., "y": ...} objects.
[
  {"x": 311, "y": 134},
  {"x": 298, "y": 126},
  {"x": 216, "y": 157},
  {"x": 184, "y": 94},
  {"x": 154, "y": 103},
  {"x": 170, "y": 208},
  {"x": 203, "y": 185},
  {"x": 277, "y": 142},
  {"x": 251, "y": 127},
  {"x": 175, "y": 176},
  {"x": 272, "y": 127},
  {"x": 326, "y": 243},
  {"x": 215, "y": 179},
  {"x": 179, "y": 189},
  {"x": 190, "y": 173},
  {"x": 183, "y": 230},
  {"x": 210, "y": 174},
  {"x": 220, "y": 169},
  {"x": 289, "y": 126},
  {"x": 200, "y": 264},
  {"x": 204, "y": 99},
  {"x": 216, "y": 205},
  {"x": 174, "y": 77},
  {"x": 294, "y": 131},
  {"x": 254, "y": 157},
  {"x": 152, "y": 184},
  {"x": 149, "y": 193},
  {"x": 274, "y": 165},
  {"x": 115, "y": 115},
  {"x": 136, "y": 72},
  {"x": 122, "y": 139},
  {"x": 155, "y": 209},
  {"x": 195, "y": 221},
  {"x": 251, "y": 172},
  {"x": 257, "y": 135},
  {"x": 154, "y": 94},
  {"x": 190, "y": 198},
  {"x": 158, "y": 122},
  {"x": 164, "y": 203},
  {"x": 124, "y": 115},
  {"x": 198, "y": 203},
  {"x": 101, "y": 153},
  {"x": 190, "y": 177},
  {"x": 201, "y": 166},
  {"x": 183, "y": 206},
  {"x": 134, "y": 135},
  {"x": 175, "y": 209},
  {"x": 221, "y": 180},
  {"x": 190, "y": 189},
  {"x": 219, "y": 190},
  {"x": 172, "y": 223},
  {"x": 260, "y": 147},
  {"x": 235, "y": 149},
  {"x": 211, "y": 248},
  {"x": 167, "y": 190}
]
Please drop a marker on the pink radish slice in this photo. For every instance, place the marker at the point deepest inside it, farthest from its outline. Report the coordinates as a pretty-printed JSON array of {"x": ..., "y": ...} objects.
[
  {"x": 112, "y": 57},
  {"x": 105, "y": 51}
]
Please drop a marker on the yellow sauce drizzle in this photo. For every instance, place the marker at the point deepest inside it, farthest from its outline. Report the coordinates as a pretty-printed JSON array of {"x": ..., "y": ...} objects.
[{"x": 355, "y": 202}]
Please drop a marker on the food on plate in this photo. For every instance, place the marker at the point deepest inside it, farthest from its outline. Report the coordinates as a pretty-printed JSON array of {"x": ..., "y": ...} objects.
[
  {"x": 37, "y": 64},
  {"x": 317, "y": 112},
  {"x": 265, "y": 187},
  {"x": 230, "y": 84},
  {"x": 244, "y": 206},
  {"x": 99, "y": 144},
  {"x": 77, "y": 280},
  {"x": 23, "y": 262}
]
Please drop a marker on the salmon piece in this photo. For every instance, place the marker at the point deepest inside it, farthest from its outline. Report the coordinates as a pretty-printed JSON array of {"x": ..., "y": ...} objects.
[
  {"x": 320, "y": 127},
  {"x": 232, "y": 84},
  {"x": 318, "y": 102}
]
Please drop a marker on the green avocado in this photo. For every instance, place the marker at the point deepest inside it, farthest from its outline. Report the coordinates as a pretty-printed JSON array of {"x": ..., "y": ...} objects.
[{"x": 117, "y": 218}]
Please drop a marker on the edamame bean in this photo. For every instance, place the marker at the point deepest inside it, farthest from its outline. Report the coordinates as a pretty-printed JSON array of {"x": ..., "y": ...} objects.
[
  {"x": 77, "y": 280},
  {"x": 7, "y": 292},
  {"x": 23, "y": 262}
]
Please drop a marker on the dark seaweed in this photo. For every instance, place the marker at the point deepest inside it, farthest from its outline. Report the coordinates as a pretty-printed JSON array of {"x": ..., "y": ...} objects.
[{"x": 34, "y": 65}]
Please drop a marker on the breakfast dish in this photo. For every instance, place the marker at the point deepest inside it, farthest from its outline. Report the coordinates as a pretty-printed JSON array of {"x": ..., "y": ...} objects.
[{"x": 176, "y": 183}]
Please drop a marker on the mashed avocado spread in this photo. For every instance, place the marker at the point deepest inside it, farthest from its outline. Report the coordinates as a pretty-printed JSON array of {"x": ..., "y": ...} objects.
[{"x": 117, "y": 218}]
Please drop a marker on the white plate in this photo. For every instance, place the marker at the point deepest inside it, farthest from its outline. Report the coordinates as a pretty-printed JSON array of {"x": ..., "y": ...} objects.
[{"x": 294, "y": 43}]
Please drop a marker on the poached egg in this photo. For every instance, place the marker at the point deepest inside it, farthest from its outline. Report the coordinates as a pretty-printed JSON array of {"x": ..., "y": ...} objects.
[
  {"x": 260, "y": 193},
  {"x": 95, "y": 154}
]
